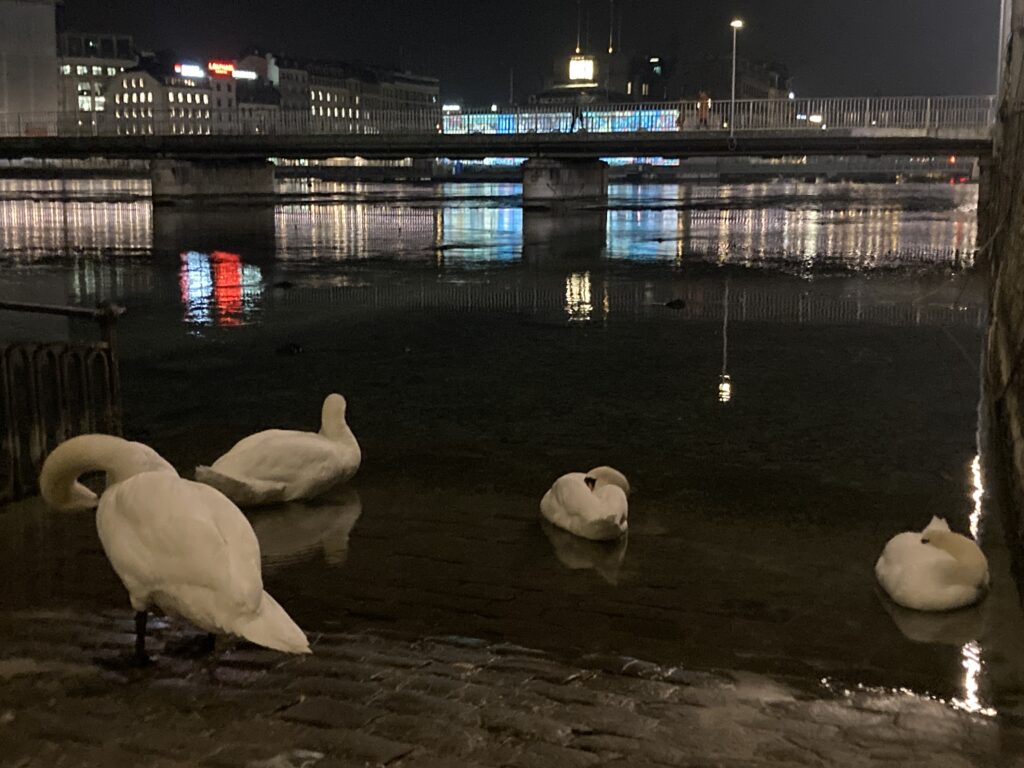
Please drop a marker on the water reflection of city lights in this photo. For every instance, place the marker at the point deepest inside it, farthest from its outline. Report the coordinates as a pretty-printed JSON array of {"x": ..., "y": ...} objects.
[
  {"x": 577, "y": 296},
  {"x": 970, "y": 659},
  {"x": 217, "y": 288},
  {"x": 724, "y": 388},
  {"x": 977, "y": 494}
]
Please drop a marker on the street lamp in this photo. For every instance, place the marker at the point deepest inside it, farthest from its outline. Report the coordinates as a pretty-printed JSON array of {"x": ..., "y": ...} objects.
[{"x": 737, "y": 25}]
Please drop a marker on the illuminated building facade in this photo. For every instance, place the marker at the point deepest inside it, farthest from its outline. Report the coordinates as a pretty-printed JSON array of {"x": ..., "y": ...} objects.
[
  {"x": 176, "y": 99},
  {"x": 87, "y": 64},
  {"x": 28, "y": 62}
]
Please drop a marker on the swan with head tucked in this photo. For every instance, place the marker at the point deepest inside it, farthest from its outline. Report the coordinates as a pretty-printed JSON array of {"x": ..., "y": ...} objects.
[
  {"x": 285, "y": 464},
  {"x": 592, "y": 505},
  {"x": 934, "y": 570},
  {"x": 176, "y": 545}
]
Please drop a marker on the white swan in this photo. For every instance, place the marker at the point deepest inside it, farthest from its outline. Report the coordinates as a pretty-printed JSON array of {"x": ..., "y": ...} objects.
[
  {"x": 286, "y": 465},
  {"x": 177, "y": 545},
  {"x": 935, "y": 570},
  {"x": 592, "y": 505}
]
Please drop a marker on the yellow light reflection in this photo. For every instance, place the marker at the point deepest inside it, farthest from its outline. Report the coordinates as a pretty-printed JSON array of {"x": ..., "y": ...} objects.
[
  {"x": 577, "y": 296},
  {"x": 970, "y": 659},
  {"x": 977, "y": 494}
]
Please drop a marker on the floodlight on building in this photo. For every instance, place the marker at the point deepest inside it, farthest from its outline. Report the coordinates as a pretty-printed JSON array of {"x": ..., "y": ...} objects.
[{"x": 581, "y": 68}]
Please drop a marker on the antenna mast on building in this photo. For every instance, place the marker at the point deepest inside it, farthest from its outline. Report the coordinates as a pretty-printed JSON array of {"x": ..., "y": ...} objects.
[
  {"x": 611, "y": 26},
  {"x": 579, "y": 23}
]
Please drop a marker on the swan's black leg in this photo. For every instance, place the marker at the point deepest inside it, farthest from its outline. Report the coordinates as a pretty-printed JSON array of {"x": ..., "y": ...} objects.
[
  {"x": 140, "y": 637},
  {"x": 209, "y": 644}
]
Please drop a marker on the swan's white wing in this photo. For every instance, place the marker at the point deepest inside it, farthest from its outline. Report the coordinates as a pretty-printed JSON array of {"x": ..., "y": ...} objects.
[
  {"x": 916, "y": 575},
  {"x": 281, "y": 455},
  {"x": 570, "y": 504},
  {"x": 182, "y": 545}
]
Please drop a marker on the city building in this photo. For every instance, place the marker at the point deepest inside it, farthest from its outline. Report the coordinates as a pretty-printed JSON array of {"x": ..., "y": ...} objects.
[
  {"x": 87, "y": 63},
  {"x": 713, "y": 75},
  {"x": 28, "y": 65},
  {"x": 330, "y": 96},
  {"x": 159, "y": 96}
]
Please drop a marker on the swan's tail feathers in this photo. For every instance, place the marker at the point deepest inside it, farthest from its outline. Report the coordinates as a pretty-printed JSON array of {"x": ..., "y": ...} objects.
[
  {"x": 273, "y": 628},
  {"x": 245, "y": 493}
]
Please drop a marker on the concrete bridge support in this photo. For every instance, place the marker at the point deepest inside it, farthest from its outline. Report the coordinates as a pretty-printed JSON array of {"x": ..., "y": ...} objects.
[
  {"x": 178, "y": 179},
  {"x": 550, "y": 182}
]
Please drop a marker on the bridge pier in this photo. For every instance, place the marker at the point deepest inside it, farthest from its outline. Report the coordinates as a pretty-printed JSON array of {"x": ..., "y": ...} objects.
[
  {"x": 175, "y": 179},
  {"x": 553, "y": 182}
]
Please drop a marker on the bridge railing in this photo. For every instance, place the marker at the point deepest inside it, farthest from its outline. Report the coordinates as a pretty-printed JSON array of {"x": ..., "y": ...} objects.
[{"x": 870, "y": 115}]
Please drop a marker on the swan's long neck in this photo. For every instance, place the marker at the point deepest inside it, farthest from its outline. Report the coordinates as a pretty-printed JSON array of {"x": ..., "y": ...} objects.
[
  {"x": 333, "y": 425},
  {"x": 117, "y": 457}
]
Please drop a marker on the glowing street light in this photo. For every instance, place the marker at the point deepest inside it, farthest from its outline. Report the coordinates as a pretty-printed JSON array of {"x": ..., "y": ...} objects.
[{"x": 737, "y": 25}]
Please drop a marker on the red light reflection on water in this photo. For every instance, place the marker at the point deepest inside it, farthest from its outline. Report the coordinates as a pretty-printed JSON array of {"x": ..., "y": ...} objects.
[{"x": 218, "y": 288}]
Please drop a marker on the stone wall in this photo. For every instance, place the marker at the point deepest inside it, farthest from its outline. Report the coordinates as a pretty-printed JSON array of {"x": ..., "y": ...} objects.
[{"x": 1001, "y": 252}]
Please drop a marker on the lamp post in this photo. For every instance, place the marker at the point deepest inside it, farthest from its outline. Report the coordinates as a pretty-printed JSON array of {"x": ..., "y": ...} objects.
[{"x": 737, "y": 25}]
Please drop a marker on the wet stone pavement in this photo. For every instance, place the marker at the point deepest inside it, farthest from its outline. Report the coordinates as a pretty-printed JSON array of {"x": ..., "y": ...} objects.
[{"x": 67, "y": 698}]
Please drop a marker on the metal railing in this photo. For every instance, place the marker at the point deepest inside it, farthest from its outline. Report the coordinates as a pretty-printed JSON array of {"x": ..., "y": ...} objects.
[
  {"x": 53, "y": 391},
  {"x": 870, "y": 115}
]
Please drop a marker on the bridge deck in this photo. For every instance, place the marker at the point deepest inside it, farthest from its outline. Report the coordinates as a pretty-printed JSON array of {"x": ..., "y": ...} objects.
[{"x": 469, "y": 146}]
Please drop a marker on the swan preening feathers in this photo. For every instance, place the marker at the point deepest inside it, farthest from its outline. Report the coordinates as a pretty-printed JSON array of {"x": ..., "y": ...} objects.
[
  {"x": 592, "y": 505},
  {"x": 177, "y": 545},
  {"x": 286, "y": 465},
  {"x": 934, "y": 570}
]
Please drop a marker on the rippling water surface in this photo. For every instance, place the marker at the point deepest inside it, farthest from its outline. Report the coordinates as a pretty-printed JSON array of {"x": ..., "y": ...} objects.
[{"x": 813, "y": 391}]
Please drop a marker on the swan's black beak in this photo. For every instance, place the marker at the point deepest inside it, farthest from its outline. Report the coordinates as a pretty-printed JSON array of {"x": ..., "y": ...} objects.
[{"x": 590, "y": 481}]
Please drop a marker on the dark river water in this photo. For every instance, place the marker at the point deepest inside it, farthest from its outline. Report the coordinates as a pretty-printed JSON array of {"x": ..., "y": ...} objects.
[{"x": 814, "y": 391}]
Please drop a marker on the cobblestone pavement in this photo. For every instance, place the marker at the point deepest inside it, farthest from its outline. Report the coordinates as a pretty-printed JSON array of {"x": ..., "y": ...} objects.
[{"x": 67, "y": 698}]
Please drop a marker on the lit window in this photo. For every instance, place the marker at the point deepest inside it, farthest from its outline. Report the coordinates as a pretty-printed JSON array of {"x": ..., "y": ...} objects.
[
  {"x": 117, "y": 97},
  {"x": 170, "y": 97},
  {"x": 151, "y": 130},
  {"x": 97, "y": 70},
  {"x": 357, "y": 101},
  {"x": 335, "y": 111},
  {"x": 149, "y": 112},
  {"x": 135, "y": 114},
  {"x": 357, "y": 114},
  {"x": 149, "y": 97},
  {"x": 181, "y": 97},
  {"x": 206, "y": 98},
  {"x": 312, "y": 110},
  {"x": 319, "y": 96},
  {"x": 81, "y": 69},
  {"x": 350, "y": 113},
  {"x": 645, "y": 90},
  {"x": 65, "y": 69},
  {"x": 124, "y": 84},
  {"x": 174, "y": 112},
  {"x": 321, "y": 111},
  {"x": 174, "y": 129},
  {"x": 135, "y": 98},
  {"x": 117, "y": 113},
  {"x": 100, "y": 103},
  {"x": 85, "y": 103},
  {"x": 629, "y": 88},
  {"x": 207, "y": 114},
  {"x": 188, "y": 98},
  {"x": 111, "y": 71}
]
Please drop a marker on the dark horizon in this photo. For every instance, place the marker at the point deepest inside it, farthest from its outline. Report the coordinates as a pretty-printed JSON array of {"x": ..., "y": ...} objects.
[{"x": 872, "y": 47}]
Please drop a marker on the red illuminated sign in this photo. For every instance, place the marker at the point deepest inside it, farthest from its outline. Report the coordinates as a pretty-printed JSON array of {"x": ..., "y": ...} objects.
[{"x": 220, "y": 68}]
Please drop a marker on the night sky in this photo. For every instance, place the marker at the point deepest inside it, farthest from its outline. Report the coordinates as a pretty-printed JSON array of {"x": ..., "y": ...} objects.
[{"x": 851, "y": 48}]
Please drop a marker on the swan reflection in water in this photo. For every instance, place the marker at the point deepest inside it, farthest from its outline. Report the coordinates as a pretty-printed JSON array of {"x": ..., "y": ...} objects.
[
  {"x": 298, "y": 530},
  {"x": 577, "y": 554},
  {"x": 957, "y": 627}
]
